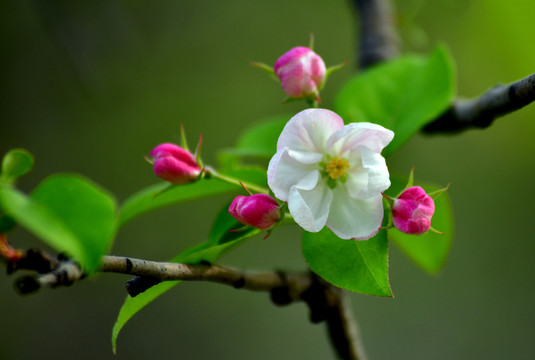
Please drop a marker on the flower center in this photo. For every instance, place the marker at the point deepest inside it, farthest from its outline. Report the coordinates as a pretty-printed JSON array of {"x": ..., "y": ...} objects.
[{"x": 337, "y": 167}]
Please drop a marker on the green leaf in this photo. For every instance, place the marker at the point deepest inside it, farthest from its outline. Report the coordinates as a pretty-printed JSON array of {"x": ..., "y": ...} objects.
[
  {"x": 260, "y": 140},
  {"x": 360, "y": 266},
  {"x": 221, "y": 239},
  {"x": 40, "y": 221},
  {"x": 220, "y": 242},
  {"x": 152, "y": 198},
  {"x": 429, "y": 251},
  {"x": 211, "y": 252},
  {"x": 16, "y": 163},
  {"x": 223, "y": 223},
  {"x": 248, "y": 173},
  {"x": 402, "y": 95},
  {"x": 69, "y": 213},
  {"x": 132, "y": 305}
]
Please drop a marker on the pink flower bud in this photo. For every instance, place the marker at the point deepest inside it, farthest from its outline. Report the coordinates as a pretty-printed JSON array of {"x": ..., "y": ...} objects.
[
  {"x": 174, "y": 164},
  {"x": 301, "y": 72},
  {"x": 259, "y": 210},
  {"x": 412, "y": 211}
]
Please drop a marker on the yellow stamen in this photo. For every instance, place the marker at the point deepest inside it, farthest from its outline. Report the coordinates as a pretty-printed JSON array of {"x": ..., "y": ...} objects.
[{"x": 337, "y": 167}]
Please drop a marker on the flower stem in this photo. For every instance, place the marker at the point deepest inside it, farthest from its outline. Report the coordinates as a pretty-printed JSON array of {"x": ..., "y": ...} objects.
[
  {"x": 313, "y": 103},
  {"x": 237, "y": 182},
  {"x": 287, "y": 219}
]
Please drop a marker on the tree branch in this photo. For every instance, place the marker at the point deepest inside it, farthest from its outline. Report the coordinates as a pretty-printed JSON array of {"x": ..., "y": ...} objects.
[
  {"x": 326, "y": 302},
  {"x": 343, "y": 330},
  {"x": 482, "y": 111},
  {"x": 67, "y": 272},
  {"x": 378, "y": 38},
  {"x": 329, "y": 303},
  {"x": 378, "y": 42},
  {"x": 240, "y": 279}
]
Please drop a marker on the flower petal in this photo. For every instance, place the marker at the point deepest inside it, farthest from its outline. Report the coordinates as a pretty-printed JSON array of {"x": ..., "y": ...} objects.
[
  {"x": 358, "y": 219},
  {"x": 292, "y": 77},
  {"x": 372, "y": 136},
  {"x": 368, "y": 174},
  {"x": 310, "y": 208},
  {"x": 284, "y": 172},
  {"x": 309, "y": 130},
  {"x": 305, "y": 157},
  {"x": 290, "y": 57}
]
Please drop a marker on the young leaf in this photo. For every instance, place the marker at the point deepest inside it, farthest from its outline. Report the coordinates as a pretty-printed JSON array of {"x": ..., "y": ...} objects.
[
  {"x": 132, "y": 305},
  {"x": 360, "y": 266},
  {"x": 402, "y": 95},
  {"x": 223, "y": 223},
  {"x": 40, "y": 221},
  {"x": 220, "y": 242},
  {"x": 250, "y": 174},
  {"x": 69, "y": 213},
  {"x": 152, "y": 198},
  {"x": 429, "y": 251},
  {"x": 16, "y": 163}
]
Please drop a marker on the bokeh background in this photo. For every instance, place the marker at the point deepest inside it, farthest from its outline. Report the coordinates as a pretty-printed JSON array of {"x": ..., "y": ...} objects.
[{"x": 92, "y": 86}]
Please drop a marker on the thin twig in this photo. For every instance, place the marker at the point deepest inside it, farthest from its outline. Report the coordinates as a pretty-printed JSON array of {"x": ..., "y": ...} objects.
[
  {"x": 482, "y": 111},
  {"x": 378, "y": 40}
]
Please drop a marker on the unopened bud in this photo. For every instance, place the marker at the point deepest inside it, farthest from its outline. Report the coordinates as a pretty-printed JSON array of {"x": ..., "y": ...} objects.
[
  {"x": 412, "y": 211},
  {"x": 174, "y": 164},
  {"x": 259, "y": 210},
  {"x": 301, "y": 72}
]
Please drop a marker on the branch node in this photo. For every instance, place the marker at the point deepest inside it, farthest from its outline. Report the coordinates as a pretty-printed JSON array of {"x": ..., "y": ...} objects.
[
  {"x": 280, "y": 295},
  {"x": 140, "y": 284},
  {"x": 33, "y": 259},
  {"x": 320, "y": 298},
  {"x": 26, "y": 285},
  {"x": 238, "y": 284},
  {"x": 129, "y": 265}
]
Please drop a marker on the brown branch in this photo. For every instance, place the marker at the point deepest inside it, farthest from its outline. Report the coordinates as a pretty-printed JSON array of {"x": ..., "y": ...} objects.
[
  {"x": 343, "y": 330},
  {"x": 482, "y": 111},
  {"x": 329, "y": 303},
  {"x": 378, "y": 40},
  {"x": 65, "y": 273},
  {"x": 326, "y": 302},
  {"x": 35, "y": 260},
  {"x": 250, "y": 280}
]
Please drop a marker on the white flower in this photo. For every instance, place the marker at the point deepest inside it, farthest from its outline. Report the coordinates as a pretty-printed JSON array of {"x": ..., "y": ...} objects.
[{"x": 331, "y": 174}]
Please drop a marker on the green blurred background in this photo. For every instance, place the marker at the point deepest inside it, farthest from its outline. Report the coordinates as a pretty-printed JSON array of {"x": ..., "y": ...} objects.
[{"x": 92, "y": 86}]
